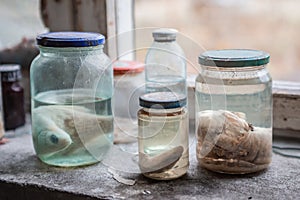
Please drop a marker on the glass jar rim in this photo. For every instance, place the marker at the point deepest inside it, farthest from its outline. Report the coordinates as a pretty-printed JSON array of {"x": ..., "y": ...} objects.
[{"x": 164, "y": 34}]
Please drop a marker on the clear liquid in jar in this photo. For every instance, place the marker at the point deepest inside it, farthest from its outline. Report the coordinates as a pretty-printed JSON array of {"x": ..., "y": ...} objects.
[{"x": 71, "y": 127}]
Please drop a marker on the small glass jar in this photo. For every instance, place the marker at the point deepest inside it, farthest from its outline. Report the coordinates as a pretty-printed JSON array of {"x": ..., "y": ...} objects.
[
  {"x": 163, "y": 135},
  {"x": 71, "y": 91},
  {"x": 234, "y": 111},
  {"x": 12, "y": 96},
  {"x": 165, "y": 68}
]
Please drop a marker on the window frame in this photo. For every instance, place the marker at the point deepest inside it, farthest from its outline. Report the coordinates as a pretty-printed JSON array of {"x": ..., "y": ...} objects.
[{"x": 119, "y": 15}]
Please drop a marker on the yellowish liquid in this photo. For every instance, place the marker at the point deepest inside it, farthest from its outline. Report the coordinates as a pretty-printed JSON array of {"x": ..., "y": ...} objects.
[{"x": 159, "y": 134}]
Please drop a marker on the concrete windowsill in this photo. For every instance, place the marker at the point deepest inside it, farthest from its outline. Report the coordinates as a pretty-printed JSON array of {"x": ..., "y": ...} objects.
[{"x": 23, "y": 176}]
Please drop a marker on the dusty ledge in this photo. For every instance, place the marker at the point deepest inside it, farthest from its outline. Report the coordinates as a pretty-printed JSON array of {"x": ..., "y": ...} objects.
[{"x": 23, "y": 176}]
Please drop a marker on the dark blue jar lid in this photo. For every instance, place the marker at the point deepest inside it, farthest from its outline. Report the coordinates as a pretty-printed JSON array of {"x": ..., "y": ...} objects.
[
  {"x": 70, "y": 39},
  {"x": 162, "y": 100},
  {"x": 234, "y": 58}
]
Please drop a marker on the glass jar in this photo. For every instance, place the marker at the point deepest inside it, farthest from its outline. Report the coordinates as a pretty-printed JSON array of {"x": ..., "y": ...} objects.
[
  {"x": 165, "y": 68},
  {"x": 12, "y": 96},
  {"x": 71, "y": 91},
  {"x": 163, "y": 135},
  {"x": 234, "y": 111},
  {"x": 129, "y": 83}
]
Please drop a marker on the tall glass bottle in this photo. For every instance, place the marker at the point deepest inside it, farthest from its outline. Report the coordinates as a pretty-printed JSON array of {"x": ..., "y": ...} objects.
[
  {"x": 165, "y": 68},
  {"x": 71, "y": 91}
]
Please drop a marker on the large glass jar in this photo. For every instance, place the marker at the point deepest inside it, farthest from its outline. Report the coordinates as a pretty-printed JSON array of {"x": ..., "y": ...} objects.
[
  {"x": 71, "y": 91},
  {"x": 234, "y": 111},
  {"x": 163, "y": 135},
  {"x": 165, "y": 68}
]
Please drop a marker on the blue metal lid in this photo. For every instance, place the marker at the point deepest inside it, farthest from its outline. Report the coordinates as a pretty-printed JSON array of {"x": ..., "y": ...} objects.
[
  {"x": 234, "y": 58},
  {"x": 162, "y": 100},
  {"x": 70, "y": 39}
]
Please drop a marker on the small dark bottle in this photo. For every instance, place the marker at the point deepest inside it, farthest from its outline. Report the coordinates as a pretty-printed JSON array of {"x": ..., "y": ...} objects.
[{"x": 12, "y": 96}]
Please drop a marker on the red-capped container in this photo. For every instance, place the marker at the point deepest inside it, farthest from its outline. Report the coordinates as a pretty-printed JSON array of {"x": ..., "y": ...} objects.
[{"x": 129, "y": 84}]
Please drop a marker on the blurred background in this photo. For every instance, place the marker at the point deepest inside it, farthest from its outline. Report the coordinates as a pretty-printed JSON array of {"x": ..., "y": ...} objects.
[{"x": 272, "y": 26}]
